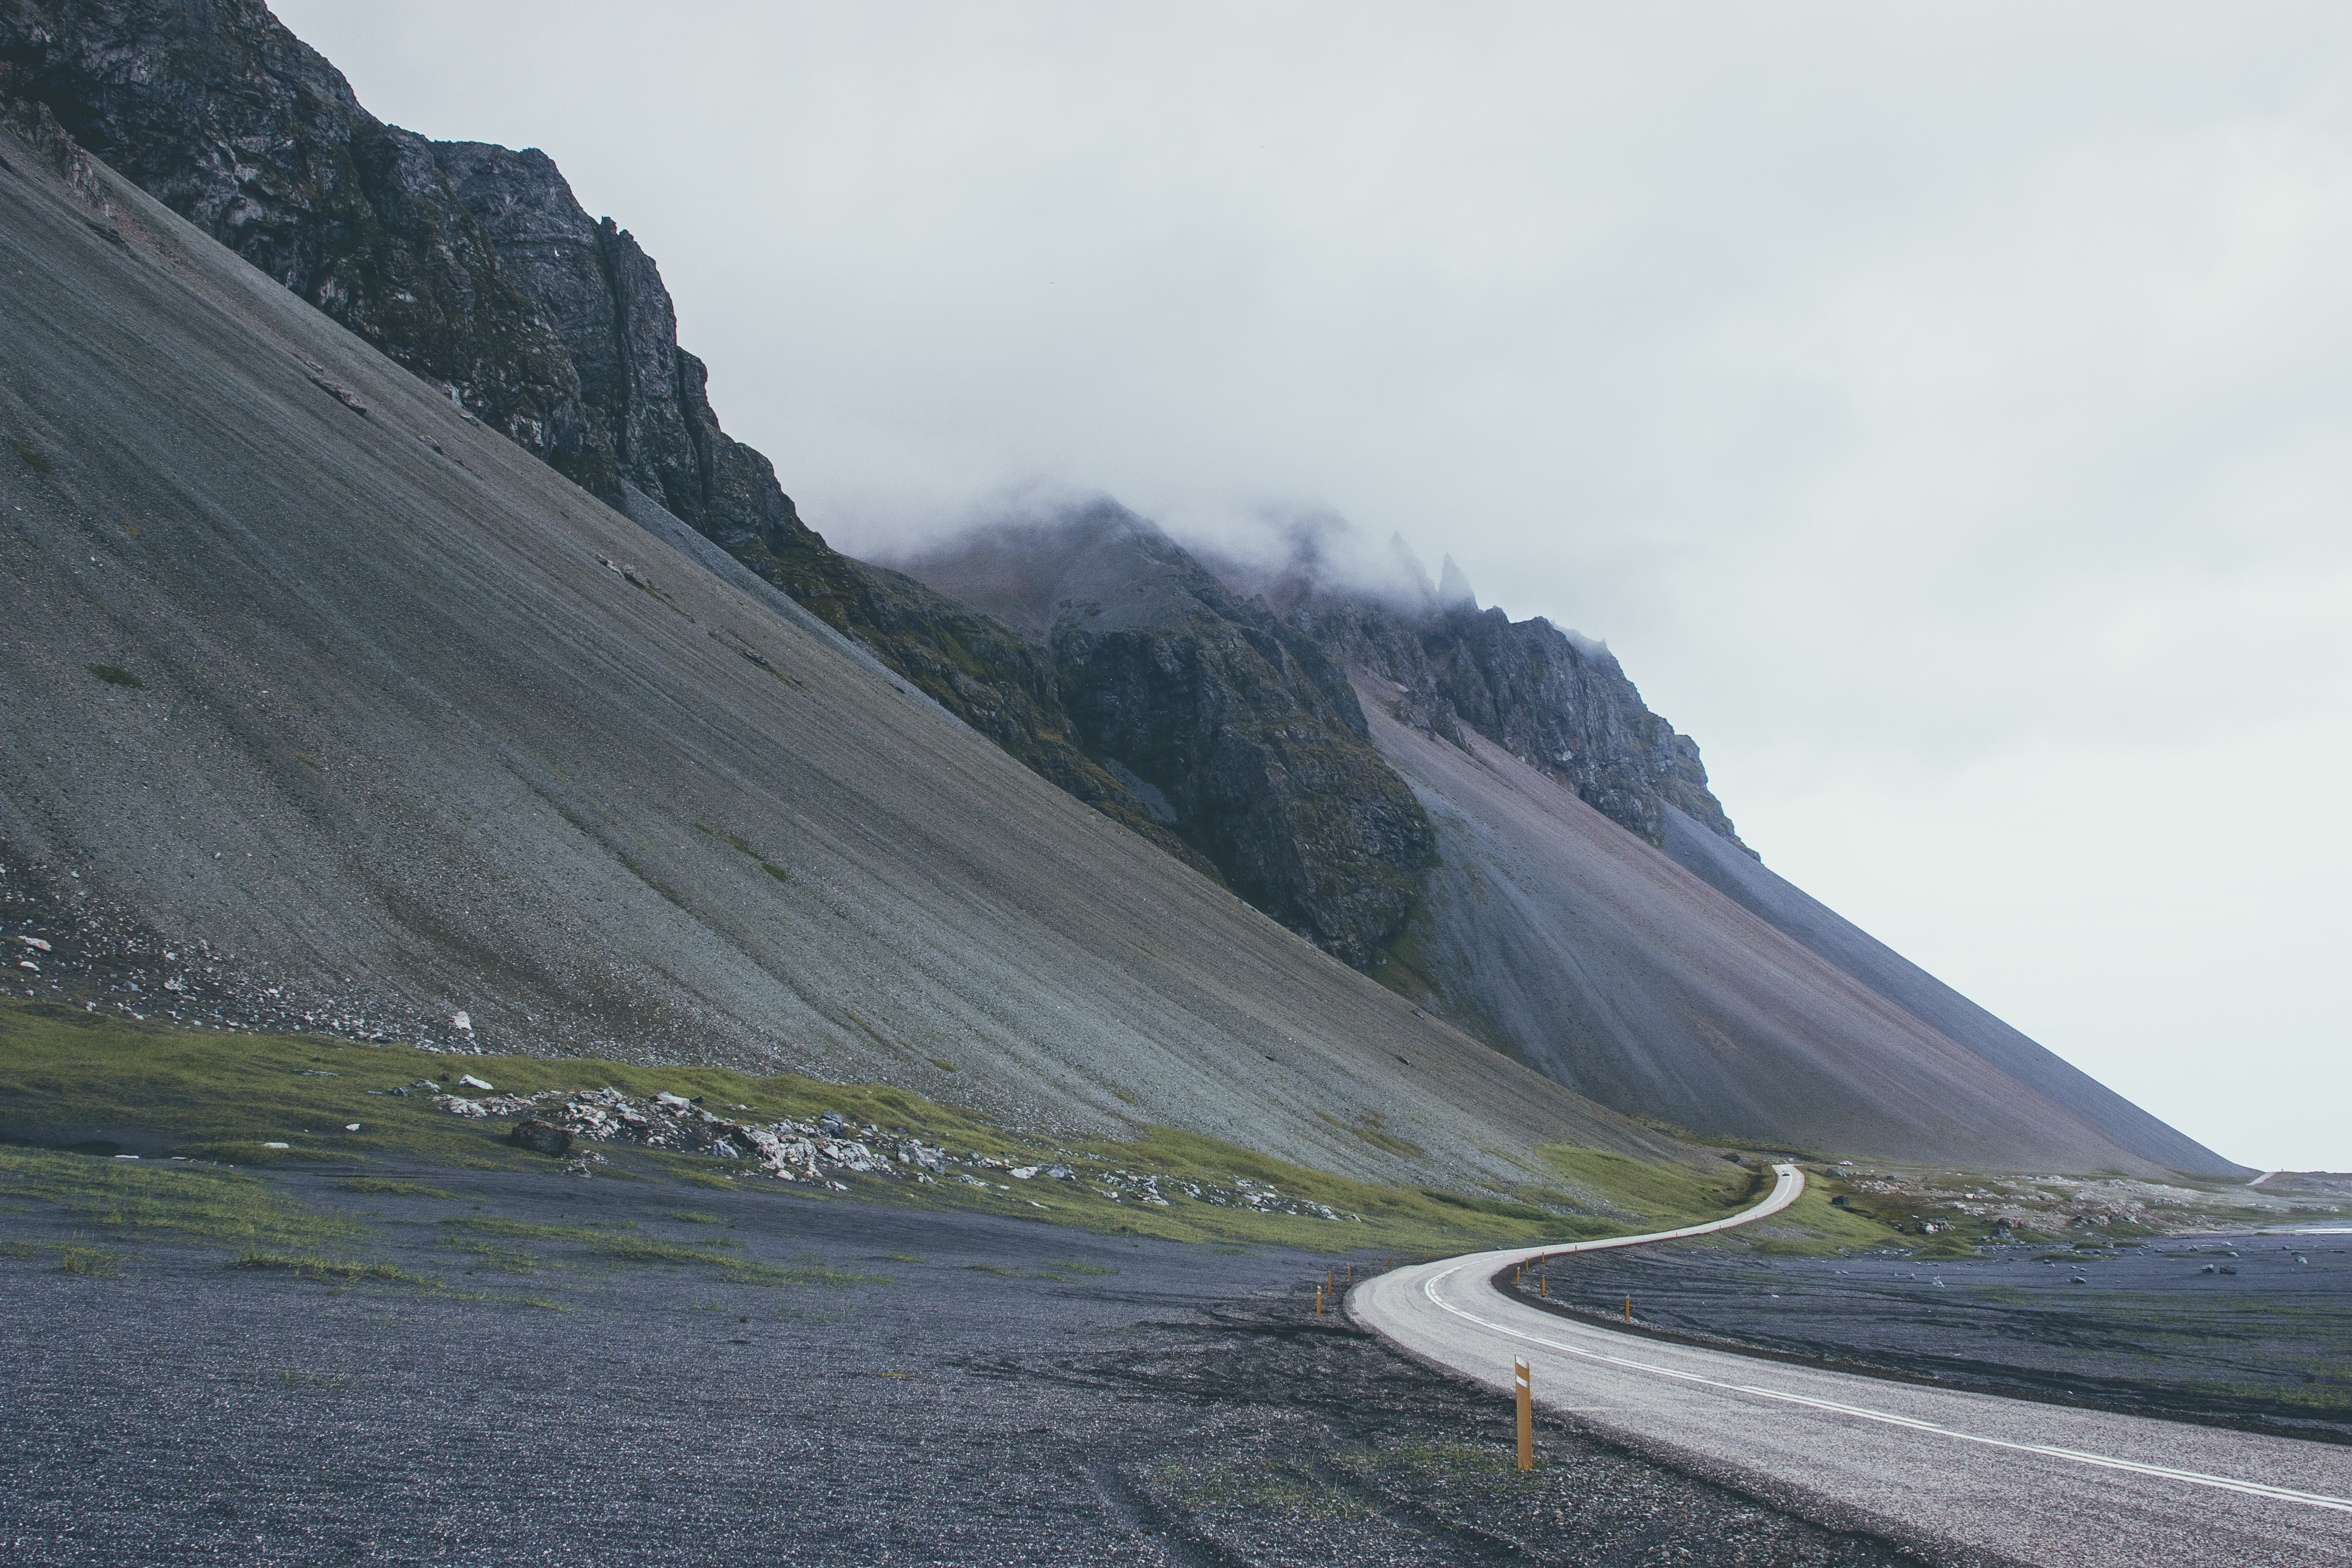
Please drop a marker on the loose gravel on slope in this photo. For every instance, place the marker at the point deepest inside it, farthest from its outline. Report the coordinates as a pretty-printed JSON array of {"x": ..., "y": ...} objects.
[{"x": 874, "y": 1386}]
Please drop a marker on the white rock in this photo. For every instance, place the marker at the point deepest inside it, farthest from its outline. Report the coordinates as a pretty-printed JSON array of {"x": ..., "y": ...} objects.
[
  {"x": 1025, "y": 1173},
  {"x": 462, "y": 1020},
  {"x": 34, "y": 941},
  {"x": 351, "y": 1126},
  {"x": 276, "y": 1145},
  {"x": 468, "y": 1078}
]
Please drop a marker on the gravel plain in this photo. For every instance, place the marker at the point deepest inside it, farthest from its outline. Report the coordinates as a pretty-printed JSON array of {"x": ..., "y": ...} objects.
[
  {"x": 913, "y": 1388},
  {"x": 2157, "y": 1327}
]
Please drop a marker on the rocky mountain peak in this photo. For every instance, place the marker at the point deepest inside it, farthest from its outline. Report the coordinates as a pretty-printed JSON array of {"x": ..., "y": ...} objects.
[
  {"x": 1453, "y": 589},
  {"x": 1221, "y": 717}
]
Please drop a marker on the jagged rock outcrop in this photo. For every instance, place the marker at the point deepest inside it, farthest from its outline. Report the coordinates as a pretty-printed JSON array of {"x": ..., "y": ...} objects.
[
  {"x": 218, "y": 111},
  {"x": 604, "y": 299},
  {"x": 1550, "y": 698},
  {"x": 1245, "y": 732},
  {"x": 476, "y": 267},
  {"x": 968, "y": 662}
]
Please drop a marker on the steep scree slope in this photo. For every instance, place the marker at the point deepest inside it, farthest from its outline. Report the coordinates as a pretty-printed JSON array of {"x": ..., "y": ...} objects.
[
  {"x": 396, "y": 709},
  {"x": 1822, "y": 930},
  {"x": 1549, "y": 921},
  {"x": 1561, "y": 938},
  {"x": 476, "y": 268}
]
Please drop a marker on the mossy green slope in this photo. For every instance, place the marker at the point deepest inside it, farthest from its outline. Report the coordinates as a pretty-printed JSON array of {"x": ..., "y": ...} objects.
[{"x": 223, "y": 1096}]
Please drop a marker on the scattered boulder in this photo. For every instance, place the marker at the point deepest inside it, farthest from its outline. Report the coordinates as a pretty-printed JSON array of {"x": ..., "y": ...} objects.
[
  {"x": 469, "y": 1080},
  {"x": 541, "y": 1137}
]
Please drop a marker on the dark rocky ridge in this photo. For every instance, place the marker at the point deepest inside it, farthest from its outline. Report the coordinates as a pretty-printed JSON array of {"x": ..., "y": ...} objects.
[
  {"x": 221, "y": 113},
  {"x": 475, "y": 267},
  {"x": 470, "y": 264},
  {"x": 1237, "y": 728},
  {"x": 1230, "y": 694},
  {"x": 604, "y": 299},
  {"x": 1553, "y": 700},
  {"x": 1546, "y": 921}
]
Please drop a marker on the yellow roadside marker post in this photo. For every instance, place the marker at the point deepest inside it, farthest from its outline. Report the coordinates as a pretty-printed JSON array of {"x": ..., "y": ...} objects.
[
  {"x": 1543, "y": 1286},
  {"x": 1318, "y": 1300},
  {"x": 1527, "y": 1414},
  {"x": 1629, "y": 1308}
]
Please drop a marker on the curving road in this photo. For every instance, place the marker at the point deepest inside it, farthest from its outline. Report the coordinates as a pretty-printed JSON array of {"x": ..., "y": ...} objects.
[{"x": 1940, "y": 1468}]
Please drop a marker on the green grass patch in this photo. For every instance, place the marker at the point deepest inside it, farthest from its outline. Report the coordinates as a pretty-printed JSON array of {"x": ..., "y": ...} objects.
[
  {"x": 577, "y": 1235},
  {"x": 311, "y": 1267},
  {"x": 1661, "y": 1196},
  {"x": 115, "y": 675},
  {"x": 228, "y": 1092},
  {"x": 622, "y": 1245},
  {"x": 505, "y": 1259},
  {"x": 145, "y": 1202},
  {"x": 694, "y": 1216},
  {"x": 392, "y": 1189},
  {"x": 90, "y": 1262}
]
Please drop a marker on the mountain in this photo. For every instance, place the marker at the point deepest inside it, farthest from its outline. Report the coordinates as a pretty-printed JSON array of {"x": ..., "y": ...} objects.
[
  {"x": 1482, "y": 814},
  {"x": 1588, "y": 907},
  {"x": 474, "y": 268},
  {"x": 1241, "y": 732},
  {"x": 310, "y": 673}
]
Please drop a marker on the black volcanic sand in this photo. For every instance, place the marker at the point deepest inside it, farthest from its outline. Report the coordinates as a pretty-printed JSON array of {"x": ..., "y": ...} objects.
[
  {"x": 2149, "y": 1331},
  {"x": 991, "y": 1392}
]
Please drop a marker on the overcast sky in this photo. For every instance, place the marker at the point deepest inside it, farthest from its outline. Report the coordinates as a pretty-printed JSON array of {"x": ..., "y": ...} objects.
[{"x": 1942, "y": 410}]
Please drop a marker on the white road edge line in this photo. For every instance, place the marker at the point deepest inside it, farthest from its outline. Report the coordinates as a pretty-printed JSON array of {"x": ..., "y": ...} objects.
[{"x": 1791, "y": 1183}]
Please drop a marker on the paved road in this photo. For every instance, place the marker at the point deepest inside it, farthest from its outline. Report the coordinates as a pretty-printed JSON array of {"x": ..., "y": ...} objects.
[{"x": 2034, "y": 1483}]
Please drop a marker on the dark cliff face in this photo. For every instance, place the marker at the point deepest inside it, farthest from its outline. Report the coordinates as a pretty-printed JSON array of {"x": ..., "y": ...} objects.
[
  {"x": 218, "y": 111},
  {"x": 475, "y": 267},
  {"x": 969, "y": 663},
  {"x": 472, "y": 265},
  {"x": 1550, "y": 700},
  {"x": 1243, "y": 733},
  {"x": 604, "y": 299}
]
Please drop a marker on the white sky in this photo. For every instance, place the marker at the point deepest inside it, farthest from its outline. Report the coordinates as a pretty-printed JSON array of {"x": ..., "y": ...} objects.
[{"x": 1945, "y": 411}]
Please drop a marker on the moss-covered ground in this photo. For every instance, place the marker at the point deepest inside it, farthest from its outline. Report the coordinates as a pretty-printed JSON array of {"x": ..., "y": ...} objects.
[{"x": 218, "y": 1099}]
